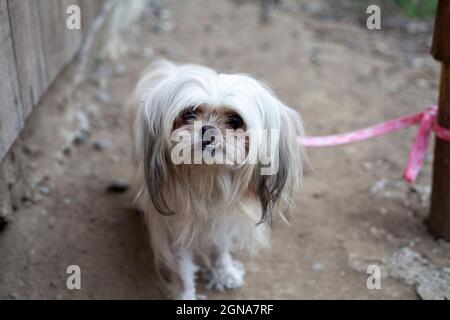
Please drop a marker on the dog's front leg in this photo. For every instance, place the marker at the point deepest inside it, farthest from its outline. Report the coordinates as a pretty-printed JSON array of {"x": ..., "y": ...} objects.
[
  {"x": 226, "y": 273},
  {"x": 187, "y": 270}
]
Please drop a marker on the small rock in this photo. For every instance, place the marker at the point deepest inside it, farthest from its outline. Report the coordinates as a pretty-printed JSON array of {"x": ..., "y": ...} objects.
[
  {"x": 118, "y": 186},
  {"x": 51, "y": 223},
  {"x": 317, "y": 195},
  {"x": 13, "y": 296},
  {"x": 378, "y": 186},
  {"x": 3, "y": 223},
  {"x": 31, "y": 151},
  {"x": 360, "y": 264},
  {"x": 422, "y": 190},
  {"x": 166, "y": 26},
  {"x": 83, "y": 131},
  {"x": 114, "y": 159},
  {"x": 389, "y": 189},
  {"x": 431, "y": 283},
  {"x": 44, "y": 190},
  {"x": 317, "y": 266},
  {"x": 383, "y": 48},
  {"x": 368, "y": 166},
  {"x": 417, "y": 62},
  {"x": 407, "y": 265},
  {"x": 395, "y": 86},
  {"x": 103, "y": 144},
  {"x": 103, "y": 96},
  {"x": 83, "y": 121},
  {"x": 406, "y": 203},
  {"x": 423, "y": 83},
  {"x": 374, "y": 231},
  {"x": 424, "y": 193},
  {"x": 79, "y": 138},
  {"x": 164, "y": 14},
  {"x": 101, "y": 82},
  {"x": 120, "y": 69},
  {"x": 417, "y": 27}
]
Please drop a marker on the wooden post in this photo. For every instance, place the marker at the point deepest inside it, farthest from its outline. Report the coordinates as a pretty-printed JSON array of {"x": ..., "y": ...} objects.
[{"x": 439, "y": 218}]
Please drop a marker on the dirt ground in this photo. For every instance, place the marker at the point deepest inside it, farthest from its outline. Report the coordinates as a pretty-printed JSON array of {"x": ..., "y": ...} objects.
[{"x": 353, "y": 211}]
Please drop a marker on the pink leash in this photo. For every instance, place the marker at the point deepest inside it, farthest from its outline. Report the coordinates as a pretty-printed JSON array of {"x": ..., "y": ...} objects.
[{"x": 428, "y": 123}]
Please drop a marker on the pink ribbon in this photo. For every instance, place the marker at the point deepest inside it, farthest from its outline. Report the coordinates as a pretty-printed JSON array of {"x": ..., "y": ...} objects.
[{"x": 428, "y": 123}]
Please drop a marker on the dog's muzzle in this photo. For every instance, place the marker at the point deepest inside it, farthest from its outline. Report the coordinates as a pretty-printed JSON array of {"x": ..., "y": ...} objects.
[{"x": 210, "y": 137}]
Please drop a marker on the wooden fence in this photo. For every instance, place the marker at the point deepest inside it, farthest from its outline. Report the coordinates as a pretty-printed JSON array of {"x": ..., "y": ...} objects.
[{"x": 35, "y": 45}]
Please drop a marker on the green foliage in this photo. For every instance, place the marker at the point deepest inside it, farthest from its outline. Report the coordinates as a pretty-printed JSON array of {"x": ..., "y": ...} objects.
[{"x": 418, "y": 8}]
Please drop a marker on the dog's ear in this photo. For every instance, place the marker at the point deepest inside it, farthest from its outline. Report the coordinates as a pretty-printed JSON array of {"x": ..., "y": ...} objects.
[
  {"x": 156, "y": 174},
  {"x": 275, "y": 187},
  {"x": 154, "y": 158},
  {"x": 269, "y": 188}
]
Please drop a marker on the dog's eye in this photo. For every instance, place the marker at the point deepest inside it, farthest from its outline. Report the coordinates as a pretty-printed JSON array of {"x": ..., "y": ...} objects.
[
  {"x": 189, "y": 114},
  {"x": 235, "y": 121}
]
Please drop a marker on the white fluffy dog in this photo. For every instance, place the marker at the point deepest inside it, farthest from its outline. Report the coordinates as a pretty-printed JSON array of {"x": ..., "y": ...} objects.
[{"x": 217, "y": 156}]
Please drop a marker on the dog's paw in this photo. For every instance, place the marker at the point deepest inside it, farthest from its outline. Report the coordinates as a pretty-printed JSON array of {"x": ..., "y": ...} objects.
[{"x": 227, "y": 277}]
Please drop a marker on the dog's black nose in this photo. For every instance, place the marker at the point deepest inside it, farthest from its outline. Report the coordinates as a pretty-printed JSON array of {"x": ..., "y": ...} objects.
[
  {"x": 208, "y": 135},
  {"x": 205, "y": 129}
]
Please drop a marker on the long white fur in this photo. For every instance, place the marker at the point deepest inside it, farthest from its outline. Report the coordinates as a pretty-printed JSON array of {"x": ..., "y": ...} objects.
[{"x": 216, "y": 213}]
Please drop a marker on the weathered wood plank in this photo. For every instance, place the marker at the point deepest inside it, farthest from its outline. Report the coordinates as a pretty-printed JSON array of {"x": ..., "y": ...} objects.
[
  {"x": 60, "y": 43},
  {"x": 441, "y": 40},
  {"x": 28, "y": 37},
  {"x": 35, "y": 45},
  {"x": 72, "y": 38},
  {"x": 29, "y": 51},
  {"x": 439, "y": 218},
  {"x": 11, "y": 119},
  {"x": 52, "y": 35}
]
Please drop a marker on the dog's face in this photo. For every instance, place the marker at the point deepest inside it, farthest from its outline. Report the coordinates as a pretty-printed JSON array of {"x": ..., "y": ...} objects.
[
  {"x": 210, "y": 136},
  {"x": 198, "y": 117}
]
